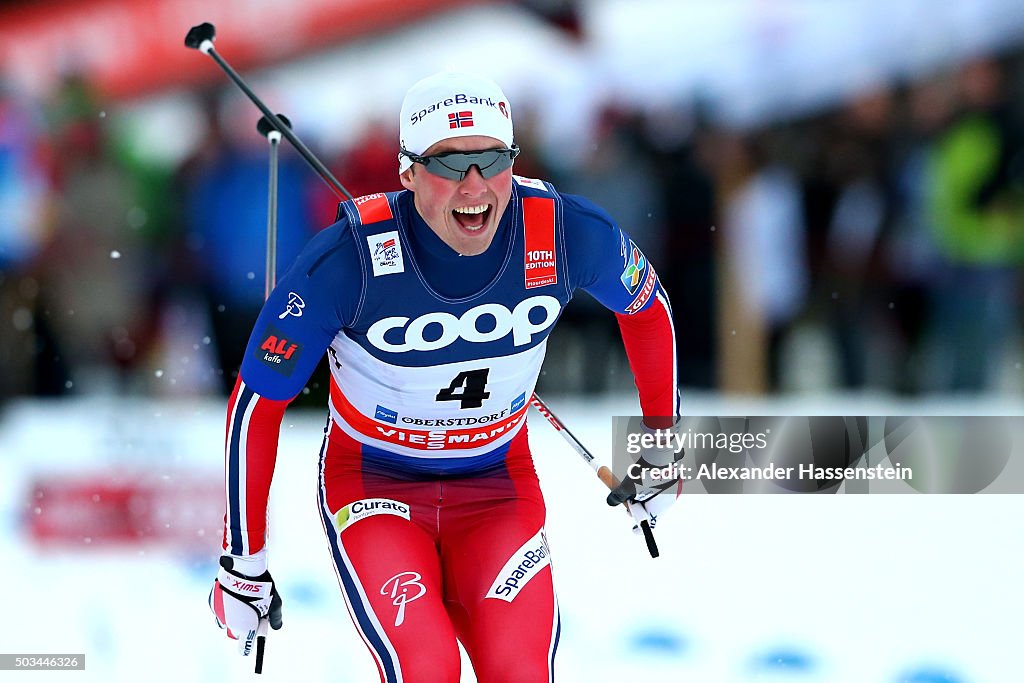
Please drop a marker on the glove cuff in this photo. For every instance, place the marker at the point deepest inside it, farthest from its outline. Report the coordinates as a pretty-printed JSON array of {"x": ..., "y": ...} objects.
[
  {"x": 664, "y": 453},
  {"x": 248, "y": 565}
]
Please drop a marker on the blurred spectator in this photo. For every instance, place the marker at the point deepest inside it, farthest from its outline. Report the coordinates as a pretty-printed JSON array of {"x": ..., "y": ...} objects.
[
  {"x": 977, "y": 209},
  {"x": 766, "y": 249},
  {"x": 223, "y": 189},
  {"x": 857, "y": 161},
  {"x": 534, "y": 161},
  {"x": 93, "y": 270},
  {"x": 615, "y": 173},
  {"x": 910, "y": 255},
  {"x": 371, "y": 166},
  {"x": 562, "y": 14},
  {"x": 683, "y": 154},
  {"x": 25, "y": 193}
]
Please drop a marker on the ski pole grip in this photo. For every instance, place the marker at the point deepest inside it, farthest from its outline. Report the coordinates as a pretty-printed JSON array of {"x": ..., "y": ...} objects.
[{"x": 605, "y": 475}]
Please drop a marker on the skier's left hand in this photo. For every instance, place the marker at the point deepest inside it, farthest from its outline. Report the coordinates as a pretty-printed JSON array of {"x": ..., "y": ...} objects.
[{"x": 645, "y": 483}]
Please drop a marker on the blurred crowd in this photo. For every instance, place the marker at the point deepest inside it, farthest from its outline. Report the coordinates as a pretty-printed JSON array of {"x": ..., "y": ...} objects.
[{"x": 875, "y": 245}]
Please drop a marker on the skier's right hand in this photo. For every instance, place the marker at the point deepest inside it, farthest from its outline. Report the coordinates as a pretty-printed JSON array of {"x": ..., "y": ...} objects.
[{"x": 242, "y": 596}]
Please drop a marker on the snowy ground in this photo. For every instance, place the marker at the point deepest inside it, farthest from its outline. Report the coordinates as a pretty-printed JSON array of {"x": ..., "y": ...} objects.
[{"x": 749, "y": 588}]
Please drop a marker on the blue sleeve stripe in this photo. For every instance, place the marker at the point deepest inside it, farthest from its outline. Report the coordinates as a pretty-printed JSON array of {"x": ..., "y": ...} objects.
[
  {"x": 235, "y": 468},
  {"x": 554, "y": 644}
]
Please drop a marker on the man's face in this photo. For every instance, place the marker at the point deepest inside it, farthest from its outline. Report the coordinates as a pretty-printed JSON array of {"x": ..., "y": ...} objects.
[{"x": 463, "y": 213}]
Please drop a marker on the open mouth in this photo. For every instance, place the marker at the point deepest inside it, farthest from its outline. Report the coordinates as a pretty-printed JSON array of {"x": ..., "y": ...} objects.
[{"x": 472, "y": 218}]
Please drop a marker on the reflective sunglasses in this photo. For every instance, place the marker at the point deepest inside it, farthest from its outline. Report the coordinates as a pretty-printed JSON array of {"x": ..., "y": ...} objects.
[{"x": 455, "y": 165}]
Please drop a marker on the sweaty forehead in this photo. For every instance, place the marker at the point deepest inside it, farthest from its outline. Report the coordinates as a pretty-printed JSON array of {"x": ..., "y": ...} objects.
[{"x": 464, "y": 144}]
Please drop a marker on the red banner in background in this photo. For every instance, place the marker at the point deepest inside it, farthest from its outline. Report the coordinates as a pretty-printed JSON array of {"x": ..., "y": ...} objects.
[
  {"x": 104, "y": 509},
  {"x": 133, "y": 47}
]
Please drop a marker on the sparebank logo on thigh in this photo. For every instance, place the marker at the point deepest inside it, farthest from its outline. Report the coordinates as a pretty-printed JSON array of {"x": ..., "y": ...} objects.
[
  {"x": 480, "y": 324},
  {"x": 525, "y": 564},
  {"x": 369, "y": 507}
]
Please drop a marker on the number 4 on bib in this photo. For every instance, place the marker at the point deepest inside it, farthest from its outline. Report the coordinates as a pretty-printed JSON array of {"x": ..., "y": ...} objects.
[{"x": 473, "y": 384}]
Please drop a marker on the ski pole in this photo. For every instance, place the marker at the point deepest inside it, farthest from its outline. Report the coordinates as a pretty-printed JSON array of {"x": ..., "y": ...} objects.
[
  {"x": 273, "y": 136},
  {"x": 201, "y": 38},
  {"x": 638, "y": 512},
  {"x": 261, "y": 644}
]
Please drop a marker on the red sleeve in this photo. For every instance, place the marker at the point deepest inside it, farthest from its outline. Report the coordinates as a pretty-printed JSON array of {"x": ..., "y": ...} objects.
[
  {"x": 250, "y": 452},
  {"x": 650, "y": 343}
]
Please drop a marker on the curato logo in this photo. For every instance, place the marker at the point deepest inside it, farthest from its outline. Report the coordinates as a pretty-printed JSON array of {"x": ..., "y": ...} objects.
[
  {"x": 468, "y": 326},
  {"x": 368, "y": 507}
]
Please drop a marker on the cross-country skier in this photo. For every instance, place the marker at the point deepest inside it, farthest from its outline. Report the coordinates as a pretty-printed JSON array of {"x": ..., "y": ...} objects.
[{"x": 435, "y": 304}]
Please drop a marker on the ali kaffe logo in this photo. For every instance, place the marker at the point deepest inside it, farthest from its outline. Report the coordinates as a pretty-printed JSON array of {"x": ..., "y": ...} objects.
[{"x": 278, "y": 352}]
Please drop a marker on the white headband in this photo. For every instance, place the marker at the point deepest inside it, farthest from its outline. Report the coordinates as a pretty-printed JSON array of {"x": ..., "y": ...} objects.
[{"x": 450, "y": 104}]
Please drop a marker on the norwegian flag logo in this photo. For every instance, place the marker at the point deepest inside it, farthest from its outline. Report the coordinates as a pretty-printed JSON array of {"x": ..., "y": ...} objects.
[{"x": 460, "y": 119}]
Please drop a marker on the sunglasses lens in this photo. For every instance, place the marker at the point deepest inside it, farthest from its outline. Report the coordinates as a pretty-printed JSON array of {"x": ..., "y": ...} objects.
[{"x": 455, "y": 165}]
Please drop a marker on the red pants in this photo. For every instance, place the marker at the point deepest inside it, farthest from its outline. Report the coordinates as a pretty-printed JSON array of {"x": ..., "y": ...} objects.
[{"x": 422, "y": 563}]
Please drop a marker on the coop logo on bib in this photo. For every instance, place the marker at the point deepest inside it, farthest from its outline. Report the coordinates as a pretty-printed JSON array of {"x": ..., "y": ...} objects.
[
  {"x": 386, "y": 253},
  {"x": 480, "y": 324}
]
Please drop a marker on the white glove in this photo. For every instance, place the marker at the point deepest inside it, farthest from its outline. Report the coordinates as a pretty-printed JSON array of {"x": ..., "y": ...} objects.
[
  {"x": 654, "y": 477},
  {"x": 243, "y": 596}
]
